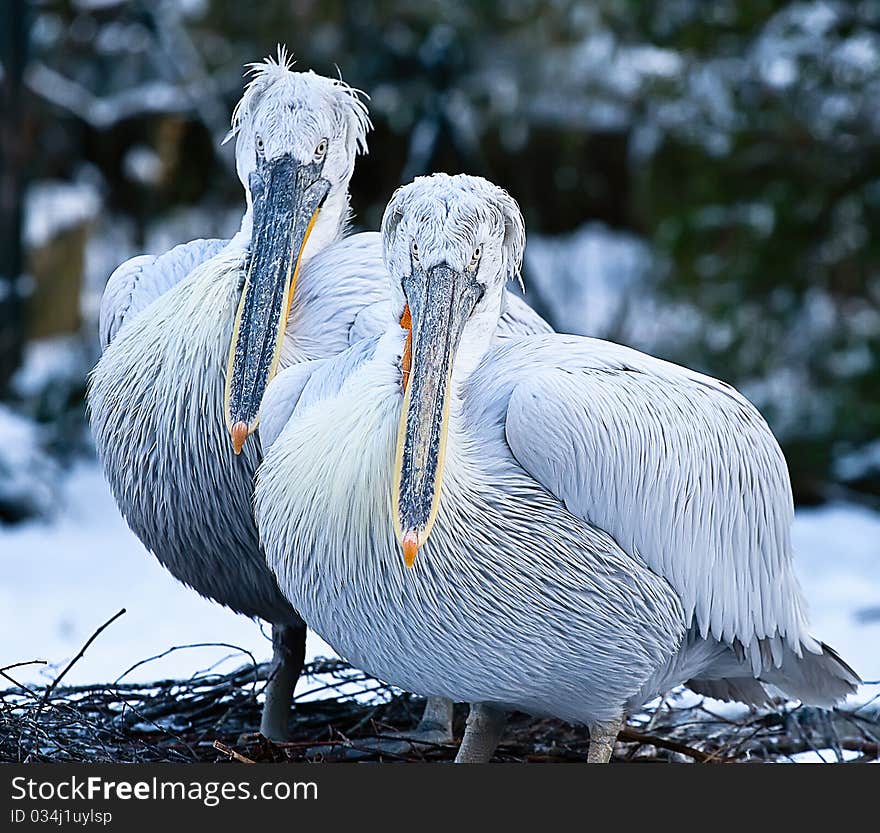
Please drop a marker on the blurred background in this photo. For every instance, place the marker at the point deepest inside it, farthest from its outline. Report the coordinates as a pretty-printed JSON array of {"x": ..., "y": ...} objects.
[{"x": 700, "y": 180}]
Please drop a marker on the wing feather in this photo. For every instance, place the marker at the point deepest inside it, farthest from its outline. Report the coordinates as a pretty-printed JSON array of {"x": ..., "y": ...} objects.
[
  {"x": 281, "y": 398},
  {"x": 676, "y": 466},
  {"x": 139, "y": 281}
]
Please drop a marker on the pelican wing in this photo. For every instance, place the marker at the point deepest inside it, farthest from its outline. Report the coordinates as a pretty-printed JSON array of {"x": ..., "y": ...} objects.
[
  {"x": 519, "y": 319},
  {"x": 138, "y": 282},
  {"x": 371, "y": 321},
  {"x": 301, "y": 384},
  {"x": 678, "y": 467},
  {"x": 281, "y": 398},
  {"x": 336, "y": 286}
]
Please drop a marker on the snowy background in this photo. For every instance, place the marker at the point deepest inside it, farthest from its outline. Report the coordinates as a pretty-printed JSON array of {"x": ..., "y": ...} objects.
[{"x": 700, "y": 180}]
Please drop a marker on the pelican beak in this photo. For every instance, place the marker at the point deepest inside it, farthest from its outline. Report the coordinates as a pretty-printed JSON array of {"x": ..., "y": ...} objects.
[
  {"x": 440, "y": 303},
  {"x": 287, "y": 198}
]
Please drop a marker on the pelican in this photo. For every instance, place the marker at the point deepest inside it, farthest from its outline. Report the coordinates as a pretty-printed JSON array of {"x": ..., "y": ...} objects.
[
  {"x": 192, "y": 338},
  {"x": 553, "y": 524}
]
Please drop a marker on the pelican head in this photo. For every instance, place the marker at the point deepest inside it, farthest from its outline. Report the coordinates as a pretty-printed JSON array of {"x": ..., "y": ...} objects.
[
  {"x": 450, "y": 244},
  {"x": 297, "y": 135}
]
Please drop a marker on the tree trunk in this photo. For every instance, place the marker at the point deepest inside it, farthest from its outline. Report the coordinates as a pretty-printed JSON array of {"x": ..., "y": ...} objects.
[{"x": 13, "y": 151}]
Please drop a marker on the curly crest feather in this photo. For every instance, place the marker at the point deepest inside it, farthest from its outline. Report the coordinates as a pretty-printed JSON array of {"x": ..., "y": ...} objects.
[{"x": 276, "y": 75}]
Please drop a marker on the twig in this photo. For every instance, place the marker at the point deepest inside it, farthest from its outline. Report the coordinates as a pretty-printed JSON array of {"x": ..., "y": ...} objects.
[
  {"x": 179, "y": 720},
  {"x": 631, "y": 735},
  {"x": 20, "y": 664},
  {"x": 236, "y": 756},
  {"x": 171, "y": 650},
  {"x": 17, "y": 684},
  {"x": 6, "y": 668},
  {"x": 48, "y": 692}
]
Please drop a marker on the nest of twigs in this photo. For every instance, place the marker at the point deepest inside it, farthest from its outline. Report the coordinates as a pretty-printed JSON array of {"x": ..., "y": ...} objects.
[{"x": 213, "y": 717}]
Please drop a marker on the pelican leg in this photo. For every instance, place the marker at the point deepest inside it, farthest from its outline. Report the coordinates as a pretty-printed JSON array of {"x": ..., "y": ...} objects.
[
  {"x": 437, "y": 719},
  {"x": 435, "y": 728},
  {"x": 485, "y": 725},
  {"x": 288, "y": 656},
  {"x": 602, "y": 739}
]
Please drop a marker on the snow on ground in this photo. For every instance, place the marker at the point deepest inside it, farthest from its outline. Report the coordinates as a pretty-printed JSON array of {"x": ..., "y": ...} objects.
[
  {"x": 27, "y": 474},
  {"x": 838, "y": 561},
  {"x": 64, "y": 578}
]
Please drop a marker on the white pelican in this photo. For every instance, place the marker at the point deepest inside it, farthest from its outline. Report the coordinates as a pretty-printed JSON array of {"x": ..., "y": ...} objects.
[
  {"x": 192, "y": 338},
  {"x": 593, "y": 525}
]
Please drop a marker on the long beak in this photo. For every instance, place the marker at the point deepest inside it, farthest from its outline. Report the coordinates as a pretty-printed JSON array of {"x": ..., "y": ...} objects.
[
  {"x": 287, "y": 198},
  {"x": 440, "y": 303}
]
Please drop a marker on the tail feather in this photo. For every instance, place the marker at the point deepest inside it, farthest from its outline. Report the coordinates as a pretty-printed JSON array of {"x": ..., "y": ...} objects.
[
  {"x": 742, "y": 689},
  {"x": 820, "y": 679},
  {"x": 808, "y": 670}
]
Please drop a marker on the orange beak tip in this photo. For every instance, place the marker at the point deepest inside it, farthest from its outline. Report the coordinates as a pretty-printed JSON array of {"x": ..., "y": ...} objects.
[
  {"x": 239, "y": 435},
  {"x": 410, "y": 545}
]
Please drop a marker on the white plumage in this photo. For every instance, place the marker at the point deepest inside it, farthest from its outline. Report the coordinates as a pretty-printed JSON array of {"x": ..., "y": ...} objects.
[
  {"x": 135, "y": 284},
  {"x": 609, "y": 525},
  {"x": 674, "y": 465},
  {"x": 156, "y": 396}
]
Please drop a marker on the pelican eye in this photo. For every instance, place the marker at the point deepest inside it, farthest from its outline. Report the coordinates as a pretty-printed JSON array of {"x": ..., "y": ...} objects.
[
  {"x": 475, "y": 258},
  {"x": 260, "y": 146},
  {"x": 415, "y": 251},
  {"x": 320, "y": 150}
]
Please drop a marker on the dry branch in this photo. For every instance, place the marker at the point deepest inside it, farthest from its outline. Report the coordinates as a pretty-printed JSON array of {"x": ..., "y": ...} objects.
[
  {"x": 53, "y": 685},
  {"x": 213, "y": 717}
]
